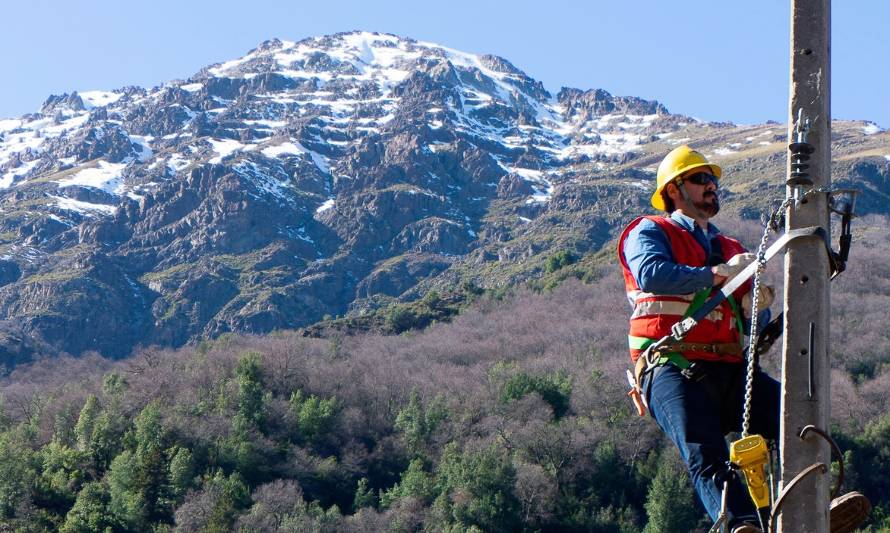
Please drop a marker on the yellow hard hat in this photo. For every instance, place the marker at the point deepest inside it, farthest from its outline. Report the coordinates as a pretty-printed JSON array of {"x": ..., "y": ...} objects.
[{"x": 678, "y": 161}]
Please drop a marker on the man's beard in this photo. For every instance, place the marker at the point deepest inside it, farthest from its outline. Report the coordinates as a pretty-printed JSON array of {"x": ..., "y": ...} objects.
[{"x": 709, "y": 205}]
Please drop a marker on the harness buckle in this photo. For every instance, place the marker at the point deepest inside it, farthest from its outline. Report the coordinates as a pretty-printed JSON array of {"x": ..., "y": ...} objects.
[{"x": 681, "y": 328}]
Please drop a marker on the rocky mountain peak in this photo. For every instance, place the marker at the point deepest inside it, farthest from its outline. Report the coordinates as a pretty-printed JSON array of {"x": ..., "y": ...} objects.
[{"x": 319, "y": 177}]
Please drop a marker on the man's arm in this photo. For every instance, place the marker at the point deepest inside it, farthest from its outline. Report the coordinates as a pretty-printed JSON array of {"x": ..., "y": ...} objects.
[{"x": 647, "y": 252}]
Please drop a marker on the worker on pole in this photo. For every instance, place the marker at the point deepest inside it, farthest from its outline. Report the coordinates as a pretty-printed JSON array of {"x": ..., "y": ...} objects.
[
  {"x": 695, "y": 388},
  {"x": 695, "y": 393}
]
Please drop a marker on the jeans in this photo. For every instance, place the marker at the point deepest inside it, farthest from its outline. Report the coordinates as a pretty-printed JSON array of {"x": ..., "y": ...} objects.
[{"x": 696, "y": 415}]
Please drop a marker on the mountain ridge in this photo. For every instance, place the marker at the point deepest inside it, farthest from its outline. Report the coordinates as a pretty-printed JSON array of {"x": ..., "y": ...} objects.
[{"x": 332, "y": 176}]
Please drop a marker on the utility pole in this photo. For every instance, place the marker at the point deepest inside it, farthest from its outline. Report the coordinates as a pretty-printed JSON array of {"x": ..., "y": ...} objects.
[{"x": 805, "y": 363}]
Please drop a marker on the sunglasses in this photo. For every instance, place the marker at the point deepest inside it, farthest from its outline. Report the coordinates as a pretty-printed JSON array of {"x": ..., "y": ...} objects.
[{"x": 701, "y": 178}]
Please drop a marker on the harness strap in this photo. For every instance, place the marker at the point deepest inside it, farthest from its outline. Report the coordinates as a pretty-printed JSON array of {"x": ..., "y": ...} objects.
[
  {"x": 701, "y": 296},
  {"x": 644, "y": 365},
  {"x": 737, "y": 313}
]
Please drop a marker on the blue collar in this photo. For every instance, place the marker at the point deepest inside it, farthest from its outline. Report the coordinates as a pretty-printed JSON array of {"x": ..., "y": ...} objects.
[{"x": 689, "y": 224}]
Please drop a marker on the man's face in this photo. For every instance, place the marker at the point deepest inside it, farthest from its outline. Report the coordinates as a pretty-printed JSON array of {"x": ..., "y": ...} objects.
[{"x": 701, "y": 185}]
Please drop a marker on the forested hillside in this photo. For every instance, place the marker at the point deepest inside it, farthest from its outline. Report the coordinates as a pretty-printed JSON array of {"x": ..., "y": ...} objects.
[{"x": 510, "y": 417}]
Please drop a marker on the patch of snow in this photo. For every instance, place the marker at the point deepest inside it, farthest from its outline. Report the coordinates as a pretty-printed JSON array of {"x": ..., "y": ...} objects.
[
  {"x": 527, "y": 173},
  {"x": 143, "y": 142},
  {"x": 871, "y": 129},
  {"x": 437, "y": 146},
  {"x": 9, "y": 177},
  {"x": 328, "y": 204},
  {"x": 320, "y": 161},
  {"x": 543, "y": 189},
  {"x": 385, "y": 119},
  {"x": 264, "y": 181},
  {"x": 84, "y": 208},
  {"x": 724, "y": 151},
  {"x": 57, "y": 219},
  {"x": 284, "y": 148},
  {"x": 765, "y": 143},
  {"x": 226, "y": 147},
  {"x": 28, "y": 253},
  {"x": 524, "y": 220},
  {"x": 8, "y": 124},
  {"x": 192, "y": 87},
  {"x": 270, "y": 124},
  {"x": 177, "y": 162},
  {"x": 229, "y": 65},
  {"x": 105, "y": 176}
]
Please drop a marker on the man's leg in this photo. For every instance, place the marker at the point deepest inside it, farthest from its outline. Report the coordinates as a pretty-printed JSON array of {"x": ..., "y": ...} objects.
[{"x": 690, "y": 417}]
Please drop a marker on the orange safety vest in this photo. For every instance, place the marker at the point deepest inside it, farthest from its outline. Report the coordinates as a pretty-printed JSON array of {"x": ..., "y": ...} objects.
[{"x": 654, "y": 314}]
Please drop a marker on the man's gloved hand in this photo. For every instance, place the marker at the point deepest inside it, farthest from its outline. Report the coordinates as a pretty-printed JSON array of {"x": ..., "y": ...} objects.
[
  {"x": 736, "y": 264},
  {"x": 765, "y": 297}
]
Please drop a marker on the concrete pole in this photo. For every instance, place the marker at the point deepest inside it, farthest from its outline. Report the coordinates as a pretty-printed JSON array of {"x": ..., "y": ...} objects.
[{"x": 805, "y": 363}]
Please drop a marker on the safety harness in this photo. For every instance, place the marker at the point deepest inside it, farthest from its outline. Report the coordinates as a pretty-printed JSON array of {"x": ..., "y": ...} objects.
[{"x": 672, "y": 352}]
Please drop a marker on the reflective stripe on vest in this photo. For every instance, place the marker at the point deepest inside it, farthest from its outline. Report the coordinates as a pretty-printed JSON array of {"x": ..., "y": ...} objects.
[{"x": 647, "y": 308}]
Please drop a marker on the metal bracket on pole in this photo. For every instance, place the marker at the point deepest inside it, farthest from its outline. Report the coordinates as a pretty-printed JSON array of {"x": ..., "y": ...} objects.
[{"x": 842, "y": 202}]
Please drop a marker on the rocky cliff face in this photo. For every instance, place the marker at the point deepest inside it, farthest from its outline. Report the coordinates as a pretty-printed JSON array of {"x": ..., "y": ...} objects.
[{"x": 326, "y": 177}]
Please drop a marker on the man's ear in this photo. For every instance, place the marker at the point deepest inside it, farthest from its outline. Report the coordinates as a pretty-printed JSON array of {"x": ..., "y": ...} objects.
[{"x": 672, "y": 191}]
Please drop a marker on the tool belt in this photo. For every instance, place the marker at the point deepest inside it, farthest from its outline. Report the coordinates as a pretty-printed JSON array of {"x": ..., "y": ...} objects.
[{"x": 673, "y": 354}]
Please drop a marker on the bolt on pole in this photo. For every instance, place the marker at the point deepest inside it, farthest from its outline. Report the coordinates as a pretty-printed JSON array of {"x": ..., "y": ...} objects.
[{"x": 805, "y": 354}]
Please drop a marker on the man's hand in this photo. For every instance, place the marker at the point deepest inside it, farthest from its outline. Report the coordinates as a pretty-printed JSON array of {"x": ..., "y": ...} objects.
[
  {"x": 731, "y": 268},
  {"x": 765, "y": 297}
]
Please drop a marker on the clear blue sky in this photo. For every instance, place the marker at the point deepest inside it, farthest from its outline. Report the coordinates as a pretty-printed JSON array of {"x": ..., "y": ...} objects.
[{"x": 709, "y": 59}]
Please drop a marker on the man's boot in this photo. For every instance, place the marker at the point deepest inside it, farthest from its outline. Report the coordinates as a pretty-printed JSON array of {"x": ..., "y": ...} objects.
[{"x": 847, "y": 512}]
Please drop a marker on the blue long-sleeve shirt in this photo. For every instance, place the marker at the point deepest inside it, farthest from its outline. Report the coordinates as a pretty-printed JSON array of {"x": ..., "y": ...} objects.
[
  {"x": 648, "y": 255},
  {"x": 647, "y": 251}
]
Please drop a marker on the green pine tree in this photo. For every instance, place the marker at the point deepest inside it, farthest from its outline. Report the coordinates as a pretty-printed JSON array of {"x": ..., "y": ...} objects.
[{"x": 670, "y": 504}]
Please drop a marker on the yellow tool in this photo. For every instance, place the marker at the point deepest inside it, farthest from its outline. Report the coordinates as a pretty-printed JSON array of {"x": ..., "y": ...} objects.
[{"x": 750, "y": 455}]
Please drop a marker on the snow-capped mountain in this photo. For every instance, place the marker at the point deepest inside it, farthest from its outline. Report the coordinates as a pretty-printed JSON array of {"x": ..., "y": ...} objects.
[{"x": 319, "y": 177}]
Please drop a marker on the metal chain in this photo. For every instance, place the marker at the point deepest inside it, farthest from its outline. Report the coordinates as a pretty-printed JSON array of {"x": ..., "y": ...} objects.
[{"x": 772, "y": 223}]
